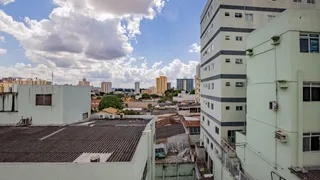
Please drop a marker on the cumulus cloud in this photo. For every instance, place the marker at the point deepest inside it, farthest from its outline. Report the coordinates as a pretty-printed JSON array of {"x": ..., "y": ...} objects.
[
  {"x": 3, "y": 51},
  {"x": 6, "y": 2},
  {"x": 194, "y": 48},
  {"x": 1, "y": 38}
]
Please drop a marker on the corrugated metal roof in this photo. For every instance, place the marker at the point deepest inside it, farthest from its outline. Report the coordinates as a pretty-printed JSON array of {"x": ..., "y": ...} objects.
[
  {"x": 307, "y": 174},
  {"x": 27, "y": 144}
]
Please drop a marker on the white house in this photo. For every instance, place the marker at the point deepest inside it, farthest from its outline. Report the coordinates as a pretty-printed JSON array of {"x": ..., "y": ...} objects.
[{"x": 45, "y": 104}]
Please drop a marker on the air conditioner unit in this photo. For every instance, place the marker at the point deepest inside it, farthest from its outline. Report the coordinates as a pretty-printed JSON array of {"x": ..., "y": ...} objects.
[
  {"x": 112, "y": 116},
  {"x": 274, "y": 105},
  {"x": 283, "y": 84},
  {"x": 275, "y": 40},
  {"x": 239, "y": 84},
  {"x": 281, "y": 136},
  {"x": 249, "y": 52}
]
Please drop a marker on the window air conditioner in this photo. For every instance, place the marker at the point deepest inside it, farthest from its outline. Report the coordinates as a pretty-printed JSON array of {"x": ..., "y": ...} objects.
[{"x": 239, "y": 84}]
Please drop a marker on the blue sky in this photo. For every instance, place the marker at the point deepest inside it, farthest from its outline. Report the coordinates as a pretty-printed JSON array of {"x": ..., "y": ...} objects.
[{"x": 74, "y": 41}]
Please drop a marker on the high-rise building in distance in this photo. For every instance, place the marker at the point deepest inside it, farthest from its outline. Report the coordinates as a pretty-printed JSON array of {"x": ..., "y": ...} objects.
[
  {"x": 169, "y": 85},
  {"x": 161, "y": 84},
  {"x": 106, "y": 87},
  {"x": 185, "y": 84},
  {"x": 84, "y": 82},
  {"x": 137, "y": 87}
]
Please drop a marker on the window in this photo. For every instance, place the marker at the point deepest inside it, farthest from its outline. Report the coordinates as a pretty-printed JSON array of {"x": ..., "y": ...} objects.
[
  {"x": 311, "y": 92},
  {"x": 212, "y": 85},
  {"x": 227, "y": 38},
  {"x": 212, "y": 106},
  {"x": 212, "y": 46},
  {"x": 249, "y": 17},
  {"x": 227, "y": 14},
  {"x": 238, "y": 15},
  {"x": 208, "y": 68},
  {"x": 207, "y": 140},
  {"x": 194, "y": 130},
  {"x": 310, "y": 1},
  {"x": 202, "y": 118},
  {"x": 239, "y": 108},
  {"x": 311, "y": 141},
  {"x": 270, "y": 17},
  {"x": 227, "y": 60},
  {"x": 208, "y": 122},
  {"x": 43, "y": 99},
  {"x": 227, "y": 107},
  {"x": 232, "y": 136},
  {"x": 227, "y": 83},
  {"x": 238, "y": 38},
  {"x": 209, "y": 86},
  {"x": 239, "y": 61},
  {"x": 297, "y": 1},
  {"x": 217, "y": 130},
  {"x": 208, "y": 104},
  {"x": 211, "y": 146},
  {"x": 309, "y": 43}
]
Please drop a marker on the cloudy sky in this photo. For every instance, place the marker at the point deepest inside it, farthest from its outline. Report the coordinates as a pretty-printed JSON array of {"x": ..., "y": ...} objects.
[{"x": 121, "y": 41}]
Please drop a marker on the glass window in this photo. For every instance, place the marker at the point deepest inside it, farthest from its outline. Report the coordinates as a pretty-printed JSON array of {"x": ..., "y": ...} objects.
[
  {"x": 208, "y": 123},
  {"x": 217, "y": 130},
  {"x": 227, "y": 38},
  {"x": 227, "y": 14},
  {"x": 227, "y": 60},
  {"x": 306, "y": 143},
  {"x": 211, "y": 146},
  {"x": 238, "y": 38},
  {"x": 227, "y": 107},
  {"x": 311, "y": 1},
  {"x": 304, "y": 45},
  {"x": 315, "y": 96},
  {"x": 208, "y": 140},
  {"x": 315, "y": 143},
  {"x": 309, "y": 43},
  {"x": 239, "y": 108},
  {"x": 249, "y": 17},
  {"x": 212, "y": 85},
  {"x": 270, "y": 17},
  {"x": 314, "y": 45},
  {"x": 311, "y": 92},
  {"x": 43, "y": 100},
  {"x": 227, "y": 83},
  {"x": 212, "y": 107},
  {"x": 311, "y": 141},
  {"x": 306, "y": 94},
  {"x": 238, "y": 15}
]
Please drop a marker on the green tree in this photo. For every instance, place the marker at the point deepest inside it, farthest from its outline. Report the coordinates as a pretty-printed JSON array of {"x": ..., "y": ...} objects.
[
  {"x": 110, "y": 101},
  {"x": 130, "y": 112},
  {"x": 145, "y": 96},
  {"x": 193, "y": 92},
  {"x": 154, "y": 95},
  {"x": 99, "y": 97},
  {"x": 150, "y": 106}
]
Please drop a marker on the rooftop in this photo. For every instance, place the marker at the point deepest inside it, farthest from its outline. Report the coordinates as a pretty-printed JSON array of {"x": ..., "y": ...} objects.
[
  {"x": 307, "y": 174},
  {"x": 111, "y": 140}
]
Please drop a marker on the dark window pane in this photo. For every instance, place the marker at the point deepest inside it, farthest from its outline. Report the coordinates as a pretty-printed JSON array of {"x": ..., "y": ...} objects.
[
  {"x": 304, "y": 46},
  {"x": 211, "y": 146},
  {"x": 306, "y": 144},
  {"x": 315, "y": 141},
  {"x": 315, "y": 93},
  {"x": 306, "y": 93},
  {"x": 314, "y": 45},
  {"x": 217, "y": 130}
]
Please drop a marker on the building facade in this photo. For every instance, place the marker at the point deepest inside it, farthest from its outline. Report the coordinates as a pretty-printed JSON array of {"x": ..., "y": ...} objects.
[
  {"x": 284, "y": 67},
  {"x": 161, "y": 84},
  {"x": 169, "y": 85},
  {"x": 84, "y": 82},
  {"x": 137, "y": 87},
  {"x": 106, "y": 87},
  {"x": 45, "y": 104},
  {"x": 224, "y": 28},
  {"x": 197, "y": 80},
  {"x": 185, "y": 84}
]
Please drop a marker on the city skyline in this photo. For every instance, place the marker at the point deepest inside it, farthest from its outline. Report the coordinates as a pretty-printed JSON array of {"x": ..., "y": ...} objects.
[{"x": 136, "y": 57}]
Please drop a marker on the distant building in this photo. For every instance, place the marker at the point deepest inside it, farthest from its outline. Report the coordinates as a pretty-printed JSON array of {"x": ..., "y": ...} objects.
[
  {"x": 105, "y": 147},
  {"x": 84, "y": 82},
  {"x": 184, "y": 97},
  {"x": 192, "y": 124},
  {"x": 161, "y": 84},
  {"x": 185, "y": 84},
  {"x": 5, "y": 83},
  {"x": 153, "y": 90},
  {"x": 45, "y": 104},
  {"x": 169, "y": 85},
  {"x": 106, "y": 87},
  {"x": 137, "y": 87},
  {"x": 146, "y": 91}
]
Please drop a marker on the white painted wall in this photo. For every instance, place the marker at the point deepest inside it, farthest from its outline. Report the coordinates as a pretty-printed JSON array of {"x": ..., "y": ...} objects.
[{"x": 68, "y": 105}]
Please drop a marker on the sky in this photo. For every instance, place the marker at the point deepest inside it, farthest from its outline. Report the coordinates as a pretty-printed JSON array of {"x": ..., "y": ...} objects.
[{"x": 118, "y": 41}]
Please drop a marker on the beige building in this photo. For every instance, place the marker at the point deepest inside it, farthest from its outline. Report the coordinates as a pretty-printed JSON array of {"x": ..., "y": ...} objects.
[
  {"x": 6, "y": 83},
  {"x": 161, "y": 84},
  {"x": 106, "y": 87},
  {"x": 197, "y": 80},
  {"x": 153, "y": 90},
  {"x": 84, "y": 82}
]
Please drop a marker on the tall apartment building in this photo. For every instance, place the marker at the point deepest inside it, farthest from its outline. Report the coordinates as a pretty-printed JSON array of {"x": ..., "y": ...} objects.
[
  {"x": 84, "y": 82},
  {"x": 161, "y": 84},
  {"x": 185, "y": 84},
  {"x": 106, "y": 87},
  {"x": 224, "y": 27},
  {"x": 137, "y": 87},
  {"x": 169, "y": 85},
  {"x": 283, "y": 96}
]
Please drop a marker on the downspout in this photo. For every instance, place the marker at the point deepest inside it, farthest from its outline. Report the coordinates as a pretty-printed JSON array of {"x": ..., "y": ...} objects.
[
  {"x": 276, "y": 123},
  {"x": 300, "y": 120}
]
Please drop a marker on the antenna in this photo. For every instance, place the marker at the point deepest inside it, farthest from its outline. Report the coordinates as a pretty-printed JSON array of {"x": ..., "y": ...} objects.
[{"x": 52, "y": 78}]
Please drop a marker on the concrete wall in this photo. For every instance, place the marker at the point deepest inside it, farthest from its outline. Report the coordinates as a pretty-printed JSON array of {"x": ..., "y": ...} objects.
[
  {"x": 220, "y": 172},
  {"x": 68, "y": 105},
  {"x": 179, "y": 142},
  {"x": 183, "y": 171}
]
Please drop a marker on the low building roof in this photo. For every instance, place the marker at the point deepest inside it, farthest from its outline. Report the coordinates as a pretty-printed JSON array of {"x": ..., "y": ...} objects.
[
  {"x": 169, "y": 130},
  {"x": 110, "y": 110},
  {"x": 307, "y": 174},
  {"x": 111, "y": 140}
]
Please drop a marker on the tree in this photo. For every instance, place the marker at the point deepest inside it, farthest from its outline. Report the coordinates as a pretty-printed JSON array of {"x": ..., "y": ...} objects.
[
  {"x": 150, "y": 106},
  {"x": 145, "y": 96},
  {"x": 110, "y": 101},
  {"x": 99, "y": 97},
  {"x": 193, "y": 92},
  {"x": 130, "y": 112},
  {"x": 154, "y": 95}
]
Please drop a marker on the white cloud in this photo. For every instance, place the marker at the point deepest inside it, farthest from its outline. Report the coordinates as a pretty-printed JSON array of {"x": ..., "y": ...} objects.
[
  {"x": 3, "y": 51},
  {"x": 1, "y": 38},
  {"x": 6, "y": 2},
  {"x": 194, "y": 48}
]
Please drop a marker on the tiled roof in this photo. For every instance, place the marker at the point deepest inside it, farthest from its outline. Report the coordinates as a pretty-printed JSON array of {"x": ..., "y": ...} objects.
[
  {"x": 191, "y": 123},
  {"x": 66, "y": 144},
  {"x": 307, "y": 174}
]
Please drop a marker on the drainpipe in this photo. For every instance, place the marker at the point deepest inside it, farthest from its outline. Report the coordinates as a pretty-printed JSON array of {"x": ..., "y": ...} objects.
[
  {"x": 277, "y": 98},
  {"x": 300, "y": 120}
]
